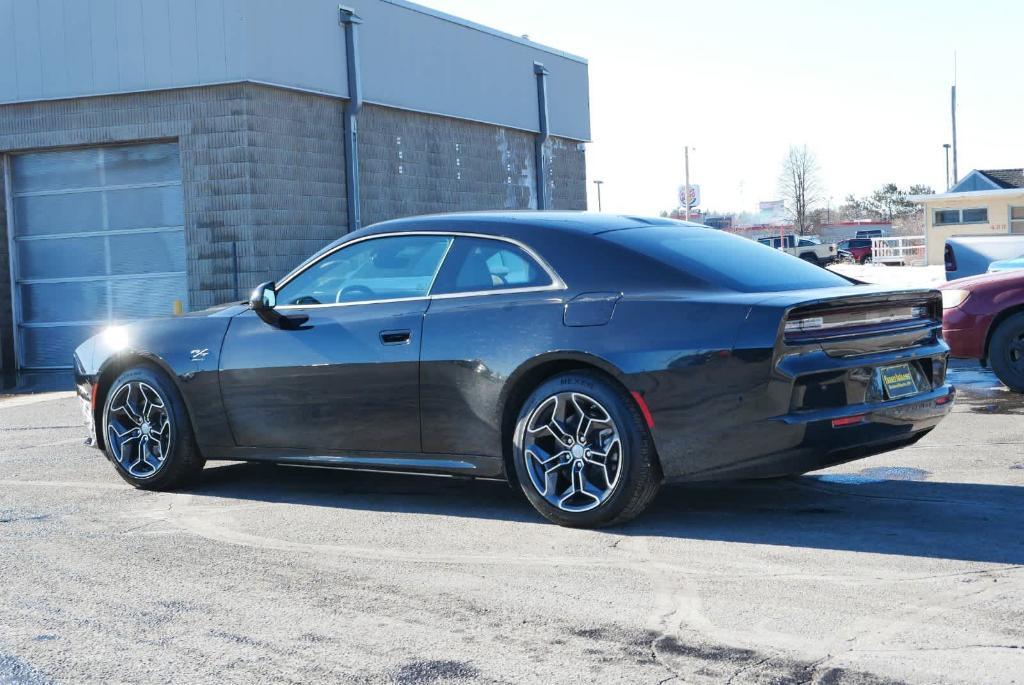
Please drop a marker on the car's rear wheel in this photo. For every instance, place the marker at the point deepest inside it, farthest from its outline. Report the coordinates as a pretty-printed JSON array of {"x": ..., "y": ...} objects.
[
  {"x": 147, "y": 433},
  {"x": 583, "y": 453},
  {"x": 866, "y": 259},
  {"x": 1006, "y": 352},
  {"x": 807, "y": 257}
]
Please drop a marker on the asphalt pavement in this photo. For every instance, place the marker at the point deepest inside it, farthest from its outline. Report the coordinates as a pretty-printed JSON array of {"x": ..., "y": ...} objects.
[{"x": 906, "y": 567}]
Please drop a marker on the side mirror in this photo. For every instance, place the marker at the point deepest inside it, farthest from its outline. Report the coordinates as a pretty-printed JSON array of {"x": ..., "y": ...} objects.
[
  {"x": 264, "y": 297},
  {"x": 263, "y": 301}
]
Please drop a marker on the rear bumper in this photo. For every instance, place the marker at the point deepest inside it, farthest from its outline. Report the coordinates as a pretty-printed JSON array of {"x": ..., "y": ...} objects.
[{"x": 815, "y": 442}]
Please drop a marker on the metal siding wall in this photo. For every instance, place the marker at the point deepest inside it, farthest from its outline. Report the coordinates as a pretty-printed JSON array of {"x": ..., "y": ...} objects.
[
  {"x": 157, "y": 42},
  {"x": 466, "y": 73},
  {"x": 411, "y": 59},
  {"x": 296, "y": 44},
  {"x": 28, "y": 57},
  {"x": 131, "y": 55},
  {"x": 234, "y": 36},
  {"x": 210, "y": 44},
  {"x": 8, "y": 53},
  {"x": 102, "y": 26},
  {"x": 68, "y": 48},
  {"x": 77, "y": 17},
  {"x": 51, "y": 34},
  {"x": 184, "y": 46}
]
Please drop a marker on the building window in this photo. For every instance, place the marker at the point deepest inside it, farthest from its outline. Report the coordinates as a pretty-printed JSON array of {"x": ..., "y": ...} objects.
[
  {"x": 960, "y": 216},
  {"x": 1016, "y": 219}
]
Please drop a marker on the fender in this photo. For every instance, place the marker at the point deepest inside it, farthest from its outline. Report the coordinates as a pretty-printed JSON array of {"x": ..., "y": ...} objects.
[{"x": 187, "y": 349}]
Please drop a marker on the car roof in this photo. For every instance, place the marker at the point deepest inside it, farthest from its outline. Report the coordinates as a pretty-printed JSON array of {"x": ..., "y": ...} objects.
[
  {"x": 527, "y": 226},
  {"x": 513, "y": 223}
]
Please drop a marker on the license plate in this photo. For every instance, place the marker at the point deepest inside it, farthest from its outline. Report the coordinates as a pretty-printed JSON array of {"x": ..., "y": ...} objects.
[{"x": 898, "y": 381}]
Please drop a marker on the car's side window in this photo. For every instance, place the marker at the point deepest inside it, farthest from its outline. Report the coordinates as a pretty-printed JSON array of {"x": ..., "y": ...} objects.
[
  {"x": 482, "y": 265},
  {"x": 375, "y": 269}
]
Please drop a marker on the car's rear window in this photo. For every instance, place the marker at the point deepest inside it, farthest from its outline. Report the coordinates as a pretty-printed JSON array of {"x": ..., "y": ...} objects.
[{"x": 724, "y": 259}]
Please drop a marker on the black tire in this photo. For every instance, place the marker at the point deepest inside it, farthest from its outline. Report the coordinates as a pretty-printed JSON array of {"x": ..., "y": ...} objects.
[
  {"x": 866, "y": 259},
  {"x": 182, "y": 462},
  {"x": 640, "y": 473},
  {"x": 1006, "y": 352},
  {"x": 810, "y": 258}
]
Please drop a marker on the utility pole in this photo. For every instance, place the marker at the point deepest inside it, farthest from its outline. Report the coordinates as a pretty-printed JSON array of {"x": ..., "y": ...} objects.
[
  {"x": 599, "y": 184},
  {"x": 686, "y": 192},
  {"x": 956, "y": 175},
  {"x": 947, "y": 146}
]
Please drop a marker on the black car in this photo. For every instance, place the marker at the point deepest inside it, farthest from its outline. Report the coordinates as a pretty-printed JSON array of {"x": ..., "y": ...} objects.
[{"x": 585, "y": 358}]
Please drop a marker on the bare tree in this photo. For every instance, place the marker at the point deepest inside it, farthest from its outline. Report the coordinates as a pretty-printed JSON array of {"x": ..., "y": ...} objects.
[{"x": 800, "y": 186}]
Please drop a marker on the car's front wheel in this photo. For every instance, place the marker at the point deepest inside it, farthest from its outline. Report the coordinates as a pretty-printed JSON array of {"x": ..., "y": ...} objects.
[
  {"x": 1006, "y": 352},
  {"x": 583, "y": 453},
  {"x": 147, "y": 433}
]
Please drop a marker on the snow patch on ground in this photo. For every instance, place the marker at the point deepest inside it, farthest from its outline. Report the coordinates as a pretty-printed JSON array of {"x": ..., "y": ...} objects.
[{"x": 895, "y": 276}]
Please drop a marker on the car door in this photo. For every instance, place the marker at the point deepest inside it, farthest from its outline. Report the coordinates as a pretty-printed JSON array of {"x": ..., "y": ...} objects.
[
  {"x": 346, "y": 380},
  {"x": 493, "y": 302}
]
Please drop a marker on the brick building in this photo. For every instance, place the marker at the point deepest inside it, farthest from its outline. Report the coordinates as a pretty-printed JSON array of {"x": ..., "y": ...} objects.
[{"x": 168, "y": 152}]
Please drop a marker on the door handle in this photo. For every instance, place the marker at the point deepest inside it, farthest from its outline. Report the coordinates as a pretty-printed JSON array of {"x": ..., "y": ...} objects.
[{"x": 395, "y": 337}]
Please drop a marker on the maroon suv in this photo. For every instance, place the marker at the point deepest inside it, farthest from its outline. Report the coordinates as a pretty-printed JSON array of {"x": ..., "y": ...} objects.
[
  {"x": 983, "y": 318},
  {"x": 859, "y": 249}
]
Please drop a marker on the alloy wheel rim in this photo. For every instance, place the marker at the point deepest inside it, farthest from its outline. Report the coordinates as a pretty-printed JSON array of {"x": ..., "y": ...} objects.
[
  {"x": 139, "y": 429},
  {"x": 572, "y": 452}
]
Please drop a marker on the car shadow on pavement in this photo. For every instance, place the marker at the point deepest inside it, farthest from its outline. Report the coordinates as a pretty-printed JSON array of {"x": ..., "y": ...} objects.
[{"x": 965, "y": 521}]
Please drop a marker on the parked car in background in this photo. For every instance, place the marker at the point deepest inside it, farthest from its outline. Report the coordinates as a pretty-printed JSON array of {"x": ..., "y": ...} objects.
[
  {"x": 983, "y": 319},
  {"x": 971, "y": 255},
  {"x": 584, "y": 358},
  {"x": 804, "y": 248},
  {"x": 859, "y": 249},
  {"x": 1006, "y": 265}
]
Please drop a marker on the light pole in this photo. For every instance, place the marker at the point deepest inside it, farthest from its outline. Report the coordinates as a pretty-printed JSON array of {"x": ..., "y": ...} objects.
[
  {"x": 947, "y": 146},
  {"x": 599, "y": 184},
  {"x": 829, "y": 219}
]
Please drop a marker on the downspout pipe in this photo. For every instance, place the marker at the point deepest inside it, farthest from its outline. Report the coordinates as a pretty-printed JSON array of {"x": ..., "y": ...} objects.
[
  {"x": 543, "y": 136},
  {"x": 350, "y": 21}
]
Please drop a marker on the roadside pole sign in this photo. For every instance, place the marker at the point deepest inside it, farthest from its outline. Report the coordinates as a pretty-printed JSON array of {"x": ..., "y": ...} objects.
[{"x": 694, "y": 196}]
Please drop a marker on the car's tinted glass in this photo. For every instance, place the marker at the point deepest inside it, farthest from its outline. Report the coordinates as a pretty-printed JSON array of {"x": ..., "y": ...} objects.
[
  {"x": 726, "y": 260},
  {"x": 480, "y": 264},
  {"x": 375, "y": 269}
]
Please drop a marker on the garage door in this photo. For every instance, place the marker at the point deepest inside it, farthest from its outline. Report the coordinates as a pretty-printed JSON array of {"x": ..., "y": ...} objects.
[{"x": 98, "y": 238}]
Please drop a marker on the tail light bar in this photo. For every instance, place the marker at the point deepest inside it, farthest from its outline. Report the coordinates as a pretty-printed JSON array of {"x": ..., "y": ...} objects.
[
  {"x": 824, "y": 322},
  {"x": 950, "y": 258}
]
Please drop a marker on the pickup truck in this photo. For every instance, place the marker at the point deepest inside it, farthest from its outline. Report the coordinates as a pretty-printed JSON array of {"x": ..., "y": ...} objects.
[
  {"x": 971, "y": 255},
  {"x": 808, "y": 250}
]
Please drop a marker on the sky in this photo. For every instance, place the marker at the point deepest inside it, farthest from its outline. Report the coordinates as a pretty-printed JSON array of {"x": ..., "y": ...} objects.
[{"x": 863, "y": 83}]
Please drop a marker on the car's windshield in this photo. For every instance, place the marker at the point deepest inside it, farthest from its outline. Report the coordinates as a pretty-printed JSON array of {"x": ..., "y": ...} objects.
[{"x": 725, "y": 259}]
